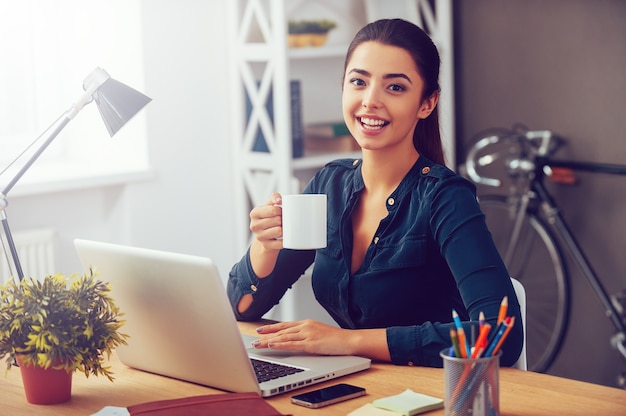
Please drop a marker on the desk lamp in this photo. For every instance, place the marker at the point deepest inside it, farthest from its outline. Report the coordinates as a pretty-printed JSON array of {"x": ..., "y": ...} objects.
[{"x": 117, "y": 104}]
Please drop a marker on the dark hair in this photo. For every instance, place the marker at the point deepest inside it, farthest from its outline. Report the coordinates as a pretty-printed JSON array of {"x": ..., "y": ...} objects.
[{"x": 411, "y": 38}]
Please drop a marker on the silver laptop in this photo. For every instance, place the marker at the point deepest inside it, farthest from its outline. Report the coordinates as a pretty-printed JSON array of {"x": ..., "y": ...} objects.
[{"x": 181, "y": 323}]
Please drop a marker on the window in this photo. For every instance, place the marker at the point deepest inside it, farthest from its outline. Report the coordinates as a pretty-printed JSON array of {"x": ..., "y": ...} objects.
[{"x": 47, "y": 49}]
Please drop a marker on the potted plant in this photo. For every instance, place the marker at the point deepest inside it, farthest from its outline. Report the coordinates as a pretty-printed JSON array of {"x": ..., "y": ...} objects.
[
  {"x": 55, "y": 327},
  {"x": 309, "y": 32}
]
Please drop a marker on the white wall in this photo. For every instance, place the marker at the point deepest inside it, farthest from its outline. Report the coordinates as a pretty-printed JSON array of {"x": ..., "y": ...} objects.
[{"x": 185, "y": 206}]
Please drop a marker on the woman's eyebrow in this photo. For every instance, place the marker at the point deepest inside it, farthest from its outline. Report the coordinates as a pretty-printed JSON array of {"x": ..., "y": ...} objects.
[
  {"x": 400, "y": 75},
  {"x": 360, "y": 72},
  {"x": 386, "y": 76}
]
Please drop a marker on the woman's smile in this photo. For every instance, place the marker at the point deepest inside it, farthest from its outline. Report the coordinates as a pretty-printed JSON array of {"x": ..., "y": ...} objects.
[{"x": 372, "y": 124}]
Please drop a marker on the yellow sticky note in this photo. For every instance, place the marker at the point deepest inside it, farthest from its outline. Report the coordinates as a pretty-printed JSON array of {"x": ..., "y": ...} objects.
[
  {"x": 370, "y": 410},
  {"x": 409, "y": 403}
]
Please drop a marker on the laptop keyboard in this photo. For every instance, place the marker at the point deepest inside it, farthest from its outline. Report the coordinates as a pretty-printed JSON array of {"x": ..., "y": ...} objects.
[{"x": 270, "y": 371}]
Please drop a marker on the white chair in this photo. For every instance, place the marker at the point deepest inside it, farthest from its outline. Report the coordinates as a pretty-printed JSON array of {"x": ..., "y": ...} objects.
[{"x": 521, "y": 297}]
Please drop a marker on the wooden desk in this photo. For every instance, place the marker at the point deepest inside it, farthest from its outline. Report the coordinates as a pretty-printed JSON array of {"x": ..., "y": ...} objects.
[{"x": 521, "y": 392}]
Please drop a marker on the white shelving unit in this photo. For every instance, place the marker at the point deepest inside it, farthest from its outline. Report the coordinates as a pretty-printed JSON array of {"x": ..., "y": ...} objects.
[{"x": 260, "y": 60}]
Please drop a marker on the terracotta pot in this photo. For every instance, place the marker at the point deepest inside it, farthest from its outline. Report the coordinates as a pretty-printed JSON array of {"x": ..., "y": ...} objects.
[
  {"x": 45, "y": 386},
  {"x": 302, "y": 40},
  {"x": 318, "y": 39}
]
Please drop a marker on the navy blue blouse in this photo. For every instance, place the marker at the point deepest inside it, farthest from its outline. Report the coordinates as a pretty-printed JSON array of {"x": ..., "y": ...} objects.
[{"x": 431, "y": 254}]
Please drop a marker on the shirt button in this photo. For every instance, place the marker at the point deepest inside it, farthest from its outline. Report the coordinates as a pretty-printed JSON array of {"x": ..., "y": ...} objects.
[
  {"x": 376, "y": 240},
  {"x": 410, "y": 364},
  {"x": 253, "y": 288},
  {"x": 355, "y": 162},
  {"x": 425, "y": 170},
  {"x": 391, "y": 201}
]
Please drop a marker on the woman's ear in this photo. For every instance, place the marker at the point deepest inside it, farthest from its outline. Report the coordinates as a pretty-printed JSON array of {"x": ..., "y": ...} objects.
[{"x": 428, "y": 106}]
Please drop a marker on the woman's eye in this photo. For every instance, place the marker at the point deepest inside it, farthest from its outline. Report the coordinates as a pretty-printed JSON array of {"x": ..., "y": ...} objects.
[
  {"x": 396, "y": 88},
  {"x": 357, "y": 81}
]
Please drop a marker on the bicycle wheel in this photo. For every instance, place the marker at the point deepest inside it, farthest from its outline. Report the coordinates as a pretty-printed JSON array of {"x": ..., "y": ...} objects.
[{"x": 537, "y": 262}]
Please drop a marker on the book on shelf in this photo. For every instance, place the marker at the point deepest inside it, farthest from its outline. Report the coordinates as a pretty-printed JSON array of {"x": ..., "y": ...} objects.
[
  {"x": 330, "y": 137},
  {"x": 295, "y": 105},
  {"x": 326, "y": 130}
]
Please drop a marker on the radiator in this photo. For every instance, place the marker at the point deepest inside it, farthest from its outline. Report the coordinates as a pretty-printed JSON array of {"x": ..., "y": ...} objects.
[{"x": 36, "y": 250}]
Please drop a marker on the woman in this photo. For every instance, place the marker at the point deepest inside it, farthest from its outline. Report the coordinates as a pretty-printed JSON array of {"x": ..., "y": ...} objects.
[{"x": 407, "y": 242}]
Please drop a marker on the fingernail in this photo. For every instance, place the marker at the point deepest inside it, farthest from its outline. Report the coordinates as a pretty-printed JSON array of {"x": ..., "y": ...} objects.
[
  {"x": 270, "y": 345},
  {"x": 259, "y": 329},
  {"x": 256, "y": 343}
]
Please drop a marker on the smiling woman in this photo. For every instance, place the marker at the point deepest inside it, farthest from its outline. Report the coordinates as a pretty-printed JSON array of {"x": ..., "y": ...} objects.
[{"x": 48, "y": 49}]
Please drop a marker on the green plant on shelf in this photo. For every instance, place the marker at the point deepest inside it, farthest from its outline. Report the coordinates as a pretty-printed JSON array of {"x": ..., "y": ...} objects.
[{"x": 310, "y": 26}]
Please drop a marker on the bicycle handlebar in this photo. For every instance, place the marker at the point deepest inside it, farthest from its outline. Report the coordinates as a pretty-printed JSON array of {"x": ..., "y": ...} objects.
[{"x": 541, "y": 140}]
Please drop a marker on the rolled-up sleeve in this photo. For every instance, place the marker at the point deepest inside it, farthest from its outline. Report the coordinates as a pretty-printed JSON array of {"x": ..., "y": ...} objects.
[{"x": 266, "y": 292}]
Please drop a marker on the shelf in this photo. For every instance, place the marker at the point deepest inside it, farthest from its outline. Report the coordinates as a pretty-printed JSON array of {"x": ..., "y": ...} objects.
[
  {"x": 263, "y": 51},
  {"x": 313, "y": 160},
  {"x": 311, "y": 52}
]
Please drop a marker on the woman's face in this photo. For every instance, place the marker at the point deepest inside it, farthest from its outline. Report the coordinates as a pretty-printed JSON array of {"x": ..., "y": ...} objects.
[{"x": 382, "y": 96}]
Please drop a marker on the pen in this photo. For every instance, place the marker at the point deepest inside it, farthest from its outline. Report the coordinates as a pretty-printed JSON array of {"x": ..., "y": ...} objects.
[{"x": 504, "y": 305}]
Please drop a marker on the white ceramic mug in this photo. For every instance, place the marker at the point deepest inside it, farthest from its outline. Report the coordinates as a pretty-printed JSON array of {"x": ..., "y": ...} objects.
[{"x": 304, "y": 221}]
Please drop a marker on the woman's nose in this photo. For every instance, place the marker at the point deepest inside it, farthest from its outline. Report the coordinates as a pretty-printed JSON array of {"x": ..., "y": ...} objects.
[{"x": 371, "y": 98}]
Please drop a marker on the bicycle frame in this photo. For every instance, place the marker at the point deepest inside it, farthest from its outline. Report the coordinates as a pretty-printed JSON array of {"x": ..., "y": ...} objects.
[
  {"x": 556, "y": 221},
  {"x": 535, "y": 168}
]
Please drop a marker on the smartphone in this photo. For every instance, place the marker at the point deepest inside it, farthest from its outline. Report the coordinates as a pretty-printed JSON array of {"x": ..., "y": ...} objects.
[{"x": 328, "y": 395}]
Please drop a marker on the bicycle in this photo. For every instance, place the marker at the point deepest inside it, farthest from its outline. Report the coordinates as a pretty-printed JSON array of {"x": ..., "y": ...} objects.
[{"x": 525, "y": 221}]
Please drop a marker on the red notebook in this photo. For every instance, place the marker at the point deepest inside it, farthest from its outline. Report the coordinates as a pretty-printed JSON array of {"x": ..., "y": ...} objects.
[{"x": 208, "y": 405}]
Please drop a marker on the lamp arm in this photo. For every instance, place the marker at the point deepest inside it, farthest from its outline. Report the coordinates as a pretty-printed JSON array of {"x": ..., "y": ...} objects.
[
  {"x": 11, "y": 244},
  {"x": 55, "y": 132},
  {"x": 3, "y": 199},
  {"x": 91, "y": 84}
]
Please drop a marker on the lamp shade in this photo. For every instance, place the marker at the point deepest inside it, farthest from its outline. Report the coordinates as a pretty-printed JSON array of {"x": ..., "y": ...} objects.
[{"x": 118, "y": 103}]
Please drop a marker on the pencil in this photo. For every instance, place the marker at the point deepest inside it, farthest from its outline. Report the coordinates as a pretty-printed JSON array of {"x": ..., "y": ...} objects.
[
  {"x": 504, "y": 335},
  {"x": 481, "y": 319},
  {"x": 481, "y": 342},
  {"x": 455, "y": 343},
  {"x": 504, "y": 305},
  {"x": 462, "y": 342},
  {"x": 498, "y": 336}
]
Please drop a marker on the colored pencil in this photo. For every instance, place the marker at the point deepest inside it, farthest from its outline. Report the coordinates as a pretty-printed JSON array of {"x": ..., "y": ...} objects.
[
  {"x": 455, "y": 342},
  {"x": 504, "y": 305},
  {"x": 462, "y": 342},
  {"x": 504, "y": 335},
  {"x": 481, "y": 342},
  {"x": 465, "y": 342}
]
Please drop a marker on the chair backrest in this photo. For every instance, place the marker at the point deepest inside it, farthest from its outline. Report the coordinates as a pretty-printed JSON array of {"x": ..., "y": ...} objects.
[{"x": 521, "y": 297}]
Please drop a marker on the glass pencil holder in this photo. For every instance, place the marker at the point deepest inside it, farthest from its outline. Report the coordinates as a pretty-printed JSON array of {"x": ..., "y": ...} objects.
[{"x": 471, "y": 385}]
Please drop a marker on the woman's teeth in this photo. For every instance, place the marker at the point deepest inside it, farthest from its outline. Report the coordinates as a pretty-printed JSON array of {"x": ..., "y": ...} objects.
[{"x": 372, "y": 124}]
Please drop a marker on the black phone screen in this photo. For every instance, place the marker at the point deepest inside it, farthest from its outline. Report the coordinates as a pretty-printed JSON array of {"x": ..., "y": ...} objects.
[{"x": 328, "y": 395}]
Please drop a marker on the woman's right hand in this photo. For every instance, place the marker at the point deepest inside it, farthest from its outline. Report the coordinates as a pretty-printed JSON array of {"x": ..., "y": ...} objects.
[{"x": 266, "y": 223}]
